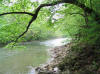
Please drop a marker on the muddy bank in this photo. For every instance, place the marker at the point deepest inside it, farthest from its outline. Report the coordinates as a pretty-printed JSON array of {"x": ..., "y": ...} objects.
[{"x": 56, "y": 54}]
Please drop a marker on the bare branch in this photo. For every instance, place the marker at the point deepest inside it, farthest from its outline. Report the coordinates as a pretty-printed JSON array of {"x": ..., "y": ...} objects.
[
  {"x": 30, "y": 22},
  {"x": 16, "y": 13}
]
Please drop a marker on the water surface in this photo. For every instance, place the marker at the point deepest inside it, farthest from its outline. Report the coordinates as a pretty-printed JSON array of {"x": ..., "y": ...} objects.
[{"x": 23, "y": 60}]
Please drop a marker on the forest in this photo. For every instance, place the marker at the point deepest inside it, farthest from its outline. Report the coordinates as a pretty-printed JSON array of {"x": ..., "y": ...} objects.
[{"x": 23, "y": 21}]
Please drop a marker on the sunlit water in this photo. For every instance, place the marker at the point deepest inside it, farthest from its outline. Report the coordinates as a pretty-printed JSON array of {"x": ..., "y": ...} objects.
[
  {"x": 55, "y": 42},
  {"x": 23, "y": 60}
]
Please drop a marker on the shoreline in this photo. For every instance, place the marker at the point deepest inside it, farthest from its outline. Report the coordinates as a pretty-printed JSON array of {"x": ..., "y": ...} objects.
[{"x": 56, "y": 55}]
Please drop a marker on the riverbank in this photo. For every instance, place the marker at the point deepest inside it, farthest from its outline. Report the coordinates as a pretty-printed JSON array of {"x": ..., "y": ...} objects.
[
  {"x": 66, "y": 60},
  {"x": 57, "y": 54},
  {"x": 25, "y": 56}
]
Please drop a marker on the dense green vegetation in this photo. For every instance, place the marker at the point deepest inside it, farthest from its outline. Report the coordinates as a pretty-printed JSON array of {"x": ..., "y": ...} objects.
[
  {"x": 11, "y": 26},
  {"x": 78, "y": 19}
]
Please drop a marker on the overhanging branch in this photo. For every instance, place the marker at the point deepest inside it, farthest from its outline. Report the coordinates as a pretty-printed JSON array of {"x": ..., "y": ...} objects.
[
  {"x": 34, "y": 16},
  {"x": 30, "y": 22},
  {"x": 16, "y": 13},
  {"x": 50, "y": 4}
]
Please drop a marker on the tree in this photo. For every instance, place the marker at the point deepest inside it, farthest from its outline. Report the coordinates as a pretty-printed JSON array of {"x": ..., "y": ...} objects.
[
  {"x": 87, "y": 10},
  {"x": 87, "y": 35}
]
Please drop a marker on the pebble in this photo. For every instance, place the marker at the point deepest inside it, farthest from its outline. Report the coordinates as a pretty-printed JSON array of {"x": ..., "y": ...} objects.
[{"x": 57, "y": 54}]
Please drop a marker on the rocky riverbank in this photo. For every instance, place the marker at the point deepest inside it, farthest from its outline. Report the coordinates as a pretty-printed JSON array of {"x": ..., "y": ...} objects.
[{"x": 57, "y": 54}]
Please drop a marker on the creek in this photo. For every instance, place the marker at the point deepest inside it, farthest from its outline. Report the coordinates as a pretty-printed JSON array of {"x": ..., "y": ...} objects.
[{"x": 22, "y": 60}]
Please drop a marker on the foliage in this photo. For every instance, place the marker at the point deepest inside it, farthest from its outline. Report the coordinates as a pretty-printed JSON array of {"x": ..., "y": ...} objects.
[
  {"x": 13, "y": 25},
  {"x": 63, "y": 19},
  {"x": 83, "y": 57}
]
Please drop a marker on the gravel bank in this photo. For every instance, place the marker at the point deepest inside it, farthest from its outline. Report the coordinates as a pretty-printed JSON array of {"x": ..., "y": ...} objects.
[{"x": 57, "y": 54}]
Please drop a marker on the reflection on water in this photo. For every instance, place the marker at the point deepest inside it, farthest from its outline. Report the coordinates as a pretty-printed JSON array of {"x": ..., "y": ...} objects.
[{"x": 23, "y": 61}]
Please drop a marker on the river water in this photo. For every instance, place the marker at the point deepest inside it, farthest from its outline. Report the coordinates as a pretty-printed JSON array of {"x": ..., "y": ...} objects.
[{"x": 28, "y": 55}]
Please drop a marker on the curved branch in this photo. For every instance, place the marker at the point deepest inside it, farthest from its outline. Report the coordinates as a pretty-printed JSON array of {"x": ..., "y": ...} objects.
[
  {"x": 34, "y": 16},
  {"x": 16, "y": 13},
  {"x": 77, "y": 14},
  {"x": 30, "y": 22},
  {"x": 50, "y": 4},
  {"x": 83, "y": 15}
]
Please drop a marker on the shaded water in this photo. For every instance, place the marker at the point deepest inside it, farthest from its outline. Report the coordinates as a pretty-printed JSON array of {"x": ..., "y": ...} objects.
[{"x": 23, "y": 60}]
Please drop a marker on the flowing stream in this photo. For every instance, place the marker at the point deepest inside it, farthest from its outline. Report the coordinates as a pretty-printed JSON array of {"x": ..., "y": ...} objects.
[{"x": 28, "y": 55}]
